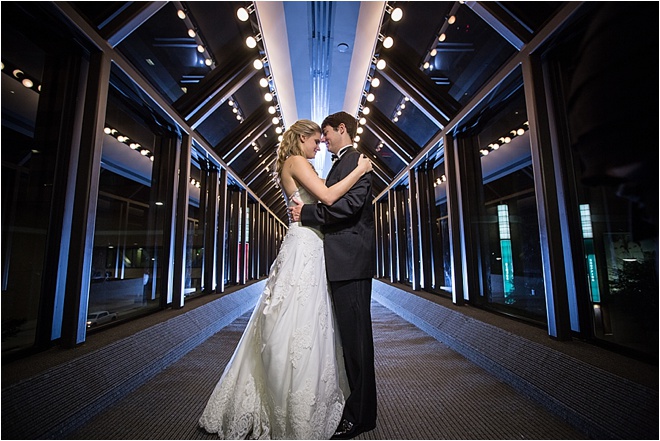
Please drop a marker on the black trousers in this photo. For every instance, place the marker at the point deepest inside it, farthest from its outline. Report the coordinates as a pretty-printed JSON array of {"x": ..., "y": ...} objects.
[{"x": 352, "y": 303}]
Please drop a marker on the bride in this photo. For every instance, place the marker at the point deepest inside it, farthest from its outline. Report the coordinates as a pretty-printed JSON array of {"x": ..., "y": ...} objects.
[{"x": 286, "y": 378}]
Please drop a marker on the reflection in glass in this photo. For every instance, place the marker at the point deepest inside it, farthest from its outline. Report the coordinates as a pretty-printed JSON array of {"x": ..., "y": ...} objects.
[{"x": 27, "y": 184}]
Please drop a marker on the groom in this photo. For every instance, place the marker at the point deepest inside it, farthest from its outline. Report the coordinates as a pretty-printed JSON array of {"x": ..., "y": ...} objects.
[{"x": 350, "y": 250}]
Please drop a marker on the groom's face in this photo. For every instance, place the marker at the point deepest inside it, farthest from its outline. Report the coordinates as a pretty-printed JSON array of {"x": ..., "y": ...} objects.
[{"x": 333, "y": 138}]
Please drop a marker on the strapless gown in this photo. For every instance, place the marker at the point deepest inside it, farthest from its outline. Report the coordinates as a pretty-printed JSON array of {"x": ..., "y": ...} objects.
[{"x": 286, "y": 378}]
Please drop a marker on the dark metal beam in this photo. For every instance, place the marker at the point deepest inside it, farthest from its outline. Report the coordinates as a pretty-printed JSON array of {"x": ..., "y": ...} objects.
[
  {"x": 401, "y": 144},
  {"x": 503, "y": 22},
  {"x": 422, "y": 91},
  {"x": 246, "y": 132},
  {"x": 264, "y": 165},
  {"x": 128, "y": 20},
  {"x": 214, "y": 89}
]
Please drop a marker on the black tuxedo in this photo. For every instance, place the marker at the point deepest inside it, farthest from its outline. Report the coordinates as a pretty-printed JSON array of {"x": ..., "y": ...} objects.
[{"x": 350, "y": 253}]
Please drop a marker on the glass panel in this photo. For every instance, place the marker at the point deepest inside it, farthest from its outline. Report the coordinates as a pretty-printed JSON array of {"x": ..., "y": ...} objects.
[
  {"x": 612, "y": 171},
  {"x": 126, "y": 269},
  {"x": 511, "y": 242},
  {"x": 195, "y": 239},
  {"x": 163, "y": 50},
  {"x": 441, "y": 247},
  {"x": 467, "y": 54},
  {"x": 532, "y": 15},
  {"x": 27, "y": 170}
]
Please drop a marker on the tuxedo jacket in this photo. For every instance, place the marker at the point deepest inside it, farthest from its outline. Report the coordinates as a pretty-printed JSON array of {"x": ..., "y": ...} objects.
[{"x": 347, "y": 225}]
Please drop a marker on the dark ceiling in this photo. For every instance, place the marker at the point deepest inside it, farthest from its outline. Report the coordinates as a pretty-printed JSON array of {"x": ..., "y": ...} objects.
[{"x": 319, "y": 58}]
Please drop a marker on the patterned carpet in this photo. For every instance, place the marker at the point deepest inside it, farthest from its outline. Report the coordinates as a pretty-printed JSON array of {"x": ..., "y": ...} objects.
[{"x": 425, "y": 391}]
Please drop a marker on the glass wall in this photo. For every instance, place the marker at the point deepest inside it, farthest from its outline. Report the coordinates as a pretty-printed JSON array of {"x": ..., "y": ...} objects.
[
  {"x": 195, "y": 239},
  {"x": 27, "y": 176},
  {"x": 129, "y": 218},
  {"x": 441, "y": 246},
  {"x": 611, "y": 172}
]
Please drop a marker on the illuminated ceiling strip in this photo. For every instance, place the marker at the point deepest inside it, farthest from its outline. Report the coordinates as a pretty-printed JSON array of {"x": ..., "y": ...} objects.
[
  {"x": 278, "y": 57},
  {"x": 368, "y": 27}
]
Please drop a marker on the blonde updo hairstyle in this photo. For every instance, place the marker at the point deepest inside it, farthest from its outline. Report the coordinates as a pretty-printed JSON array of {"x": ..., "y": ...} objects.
[{"x": 291, "y": 142}]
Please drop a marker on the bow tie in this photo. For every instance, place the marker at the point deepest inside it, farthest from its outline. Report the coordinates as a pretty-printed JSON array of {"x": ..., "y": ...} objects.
[{"x": 334, "y": 157}]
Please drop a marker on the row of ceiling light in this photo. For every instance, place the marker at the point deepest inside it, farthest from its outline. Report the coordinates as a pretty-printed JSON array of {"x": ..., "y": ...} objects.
[
  {"x": 193, "y": 33},
  {"x": 503, "y": 140},
  {"x": 396, "y": 14},
  {"x": 20, "y": 76},
  {"x": 252, "y": 42},
  {"x": 127, "y": 141}
]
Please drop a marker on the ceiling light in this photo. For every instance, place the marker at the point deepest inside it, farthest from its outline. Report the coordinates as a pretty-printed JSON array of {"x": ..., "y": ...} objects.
[
  {"x": 263, "y": 82},
  {"x": 371, "y": 97},
  {"x": 200, "y": 48},
  {"x": 434, "y": 52},
  {"x": 375, "y": 82},
  {"x": 17, "y": 72},
  {"x": 258, "y": 64},
  {"x": 275, "y": 120},
  {"x": 520, "y": 131},
  {"x": 278, "y": 130},
  {"x": 363, "y": 121},
  {"x": 360, "y": 130},
  {"x": 380, "y": 65},
  {"x": 27, "y": 82},
  {"x": 403, "y": 105},
  {"x": 231, "y": 103},
  {"x": 426, "y": 65},
  {"x": 452, "y": 19},
  {"x": 442, "y": 37},
  {"x": 239, "y": 117},
  {"x": 388, "y": 42},
  {"x": 251, "y": 42},
  {"x": 192, "y": 33},
  {"x": 208, "y": 62},
  {"x": 268, "y": 96},
  {"x": 366, "y": 111},
  {"x": 144, "y": 152},
  {"x": 235, "y": 110},
  {"x": 181, "y": 13},
  {"x": 357, "y": 138},
  {"x": 271, "y": 110},
  {"x": 396, "y": 13},
  {"x": 242, "y": 14}
]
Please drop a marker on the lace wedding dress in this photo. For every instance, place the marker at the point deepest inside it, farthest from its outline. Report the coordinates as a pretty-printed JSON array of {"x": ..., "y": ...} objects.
[{"x": 286, "y": 379}]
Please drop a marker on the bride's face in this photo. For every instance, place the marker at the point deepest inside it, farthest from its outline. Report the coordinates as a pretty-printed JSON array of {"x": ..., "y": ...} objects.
[{"x": 311, "y": 145}]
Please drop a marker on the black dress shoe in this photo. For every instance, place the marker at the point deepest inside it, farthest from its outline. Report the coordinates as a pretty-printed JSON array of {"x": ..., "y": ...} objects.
[{"x": 345, "y": 430}]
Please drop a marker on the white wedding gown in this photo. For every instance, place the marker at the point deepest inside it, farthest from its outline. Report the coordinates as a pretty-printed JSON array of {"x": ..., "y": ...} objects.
[{"x": 286, "y": 379}]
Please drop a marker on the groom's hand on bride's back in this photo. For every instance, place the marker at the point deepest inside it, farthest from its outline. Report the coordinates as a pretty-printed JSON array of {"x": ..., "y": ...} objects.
[{"x": 294, "y": 211}]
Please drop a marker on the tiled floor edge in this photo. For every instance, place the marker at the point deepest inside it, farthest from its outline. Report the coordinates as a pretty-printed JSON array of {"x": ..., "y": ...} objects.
[
  {"x": 405, "y": 304},
  {"x": 56, "y": 422}
]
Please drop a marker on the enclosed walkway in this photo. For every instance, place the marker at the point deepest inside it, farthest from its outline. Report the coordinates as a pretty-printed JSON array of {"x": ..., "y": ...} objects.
[{"x": 434, "y": 380}]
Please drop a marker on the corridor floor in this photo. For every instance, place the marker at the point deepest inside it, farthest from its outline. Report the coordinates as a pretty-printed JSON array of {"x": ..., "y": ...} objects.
[{"x": 425, "y": 391}]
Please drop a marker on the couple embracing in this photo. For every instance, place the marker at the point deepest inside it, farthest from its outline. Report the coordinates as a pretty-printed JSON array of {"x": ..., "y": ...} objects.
[{"x": 304, "y": 367}]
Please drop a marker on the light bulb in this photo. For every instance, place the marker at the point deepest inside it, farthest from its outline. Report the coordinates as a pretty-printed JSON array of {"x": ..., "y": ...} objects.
[{"x": 242, "y": 14}]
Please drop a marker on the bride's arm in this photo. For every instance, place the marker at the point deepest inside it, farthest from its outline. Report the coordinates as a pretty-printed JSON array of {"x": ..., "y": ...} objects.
[{"x": 303, "y": 172}]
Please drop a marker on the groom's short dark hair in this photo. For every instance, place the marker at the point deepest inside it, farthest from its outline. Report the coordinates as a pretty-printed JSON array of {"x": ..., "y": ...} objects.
[{"x": 341, "y": 117}]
